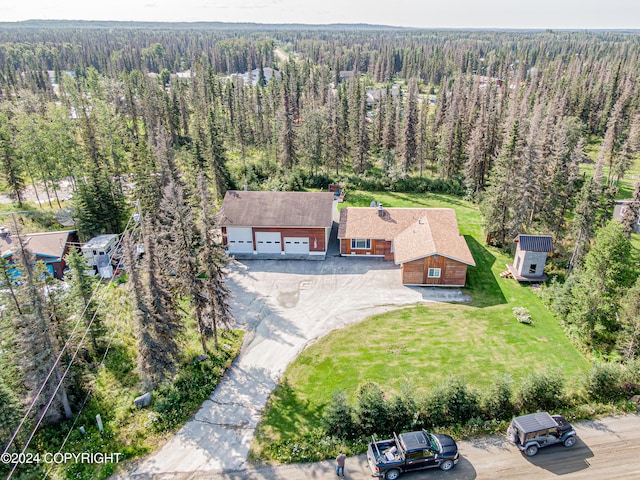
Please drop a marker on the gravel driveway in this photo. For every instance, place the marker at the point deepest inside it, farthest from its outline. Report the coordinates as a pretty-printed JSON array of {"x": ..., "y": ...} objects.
[{"x": 284, "y": 305}]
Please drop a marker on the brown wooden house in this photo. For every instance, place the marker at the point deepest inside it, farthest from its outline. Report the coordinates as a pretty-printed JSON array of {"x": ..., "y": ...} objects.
[
  {"x": 276, "y": 224},
  {"x": 425, "y": 242}
]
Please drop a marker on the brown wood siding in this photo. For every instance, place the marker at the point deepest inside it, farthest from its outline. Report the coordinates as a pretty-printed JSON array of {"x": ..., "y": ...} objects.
[
  {"x": 316, "y": 236},
  {"x": 432, "y": 262},
  {"x": 378, "y": 247},
  {"x": 225, "y": 240},
  {"x": 383, "y": 247},
  {"x": 456, "y": 273},
  {"x": 451, "y": 272},
  {"x": 413, "y": 272}
]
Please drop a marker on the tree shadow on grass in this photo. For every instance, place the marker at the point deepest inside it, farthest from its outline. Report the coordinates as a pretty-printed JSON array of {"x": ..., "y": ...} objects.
[
  {"x": 287, "y": 414},
  {"x": 358, "y": 198},
  {"x": 121, "y": 364},
  {"x": 481, "y": 282}
]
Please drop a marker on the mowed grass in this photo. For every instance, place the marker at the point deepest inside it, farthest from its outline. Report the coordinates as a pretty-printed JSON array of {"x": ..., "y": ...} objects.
[{"x": 426, "y": 344}]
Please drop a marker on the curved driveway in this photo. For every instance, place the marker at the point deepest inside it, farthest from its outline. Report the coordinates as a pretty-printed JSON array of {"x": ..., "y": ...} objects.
[{"x": 284, "y": 305}]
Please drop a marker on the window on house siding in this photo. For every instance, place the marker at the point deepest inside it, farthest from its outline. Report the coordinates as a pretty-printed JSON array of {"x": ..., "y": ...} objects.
[
  {"x": 434, "y": 273},
  {"x": 533, "y": 267},
  {"x": 360, "y": 244}
]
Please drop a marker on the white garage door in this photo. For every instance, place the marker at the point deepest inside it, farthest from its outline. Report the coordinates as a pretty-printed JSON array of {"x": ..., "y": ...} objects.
[
  {"x": 239, "y": 240},
  {"x": 268, "y": 242},
  {"x": 296, "y": 245}
]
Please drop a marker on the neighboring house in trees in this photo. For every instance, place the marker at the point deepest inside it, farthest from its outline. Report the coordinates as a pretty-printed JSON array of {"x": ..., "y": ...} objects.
[
  {"x": 346, "y": 75},
  {"x": 425, "y": 242},
  {"x": 531, "y": 257},
  {"x": 377, "y": 94},
  {"x": 48, "y": 247},
  {"x": 276, "y": 224},
  {"x": 253, "y": 77},
  {"x": 620, "y": 209}
]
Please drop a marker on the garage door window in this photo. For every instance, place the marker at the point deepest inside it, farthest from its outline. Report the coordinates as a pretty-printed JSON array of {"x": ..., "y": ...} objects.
[
  {"x": 360, "y": 244},
  {"x": 434, "y": 273}
]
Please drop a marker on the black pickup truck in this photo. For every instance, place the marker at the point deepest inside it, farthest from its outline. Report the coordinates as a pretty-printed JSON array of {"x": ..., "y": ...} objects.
[{"x": 411, "y": 451}]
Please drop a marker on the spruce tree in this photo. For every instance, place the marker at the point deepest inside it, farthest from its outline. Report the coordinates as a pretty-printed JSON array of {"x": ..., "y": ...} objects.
[
  {"x": 584, "y": 222},
  {"x": 336, "y": 149},
  {"x": 409, "y": 137},
  {"x": 162, "y": 305},
  {"x": 389, "y": 114},
  {"x": 177, "y": 241},
  {"x": 217, "y": 158},
  {"x": 604, "y": 277},
  {"x": 477, "y": 150},
  {"x": 358, "y": 135},
  {"x": 214, "y": 294},
  {"x": 100, "y": 204},
  {"x": 628, "y": 340},
  {"x": 81, "y": 294},
  {"x": 501, "y": 195},
  {"x": 631, "y": 211},
  {"x": 150, "y": 375},
  {"x": 287, "y": 135},
  {"x": 11, "y": 170},
  {"x": 33, "y": 332}
]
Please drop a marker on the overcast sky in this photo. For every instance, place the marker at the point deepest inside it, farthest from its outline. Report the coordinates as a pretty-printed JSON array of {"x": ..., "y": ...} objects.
[{"x": 574, "y": 14}]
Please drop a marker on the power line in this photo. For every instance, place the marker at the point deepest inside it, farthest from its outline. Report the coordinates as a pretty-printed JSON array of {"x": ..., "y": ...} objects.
[
  {"x": 65, "y": 372},
  {"x": 51, "y": 370},
  {"x": 86, "y": 398},
  {"x": 53, "y": 395}
]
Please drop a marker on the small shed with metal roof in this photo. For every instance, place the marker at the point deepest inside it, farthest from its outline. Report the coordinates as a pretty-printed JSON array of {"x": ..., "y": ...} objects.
[{"x": 530, "y": 258}]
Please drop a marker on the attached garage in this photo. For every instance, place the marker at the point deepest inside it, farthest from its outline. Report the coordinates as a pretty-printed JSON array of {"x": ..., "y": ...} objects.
[
  {"x": 268, "y": 242},
  {"x": 239, "y": 240},
  {"x": 296, "y": 245},
  {"x": 276, "y": 225}
]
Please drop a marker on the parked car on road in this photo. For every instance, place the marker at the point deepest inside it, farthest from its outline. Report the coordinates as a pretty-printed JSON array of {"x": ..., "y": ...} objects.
[
  {"x": 536, "y": 430},
  {"x": 411, "y": 451}
]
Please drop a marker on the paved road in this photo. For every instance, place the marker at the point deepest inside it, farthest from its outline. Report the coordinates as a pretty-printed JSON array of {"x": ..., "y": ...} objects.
[
  {"x": 284, "y": 305},
  {"x": 607, "y": 449}
]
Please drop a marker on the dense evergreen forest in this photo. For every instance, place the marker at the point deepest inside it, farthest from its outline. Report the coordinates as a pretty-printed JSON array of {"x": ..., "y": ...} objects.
[{"x": 537, "y": 128}]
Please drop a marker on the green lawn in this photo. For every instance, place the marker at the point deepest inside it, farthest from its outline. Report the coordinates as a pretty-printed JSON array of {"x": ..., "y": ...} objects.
[
  {"x": 426, "y": 343},
  {"x": 626, "y": 185}
]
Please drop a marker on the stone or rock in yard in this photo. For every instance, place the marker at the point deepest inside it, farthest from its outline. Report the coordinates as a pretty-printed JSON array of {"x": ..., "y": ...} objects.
[
  {"x": 636, "y": 400},
  {"x": 200, "y": 358},
  {"x": 143, "y": 400}
]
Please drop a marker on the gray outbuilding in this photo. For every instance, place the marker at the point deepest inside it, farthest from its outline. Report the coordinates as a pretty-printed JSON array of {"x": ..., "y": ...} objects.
[{"x": 531, "y": 257}]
